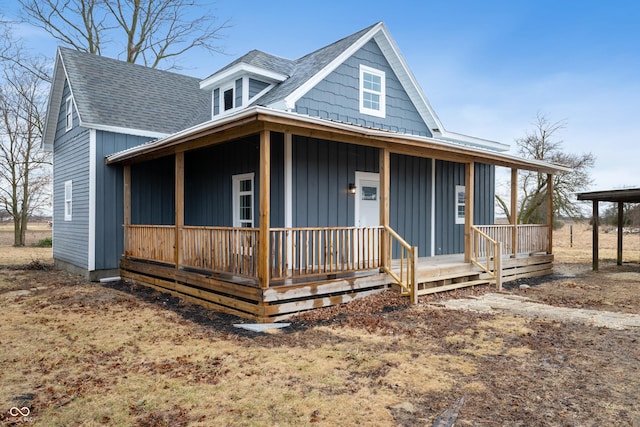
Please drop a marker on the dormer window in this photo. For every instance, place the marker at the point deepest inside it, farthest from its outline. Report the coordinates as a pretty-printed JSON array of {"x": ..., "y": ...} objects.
[
  {"x": 372, "y": 91},
  {"x": 227, "y": 99}
]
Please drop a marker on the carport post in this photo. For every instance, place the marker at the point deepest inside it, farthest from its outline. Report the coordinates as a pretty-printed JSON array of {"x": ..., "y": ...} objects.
[{"x": 595, "y": 236}]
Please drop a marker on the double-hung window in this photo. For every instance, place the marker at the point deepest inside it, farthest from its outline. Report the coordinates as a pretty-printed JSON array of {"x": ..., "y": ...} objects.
[
  {"x": 372, "y": 91},
  {"x": 243, "y": 200}
]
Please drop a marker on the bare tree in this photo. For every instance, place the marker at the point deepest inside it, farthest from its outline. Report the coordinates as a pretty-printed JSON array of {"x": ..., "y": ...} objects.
[
  {"x": 542, "y": 144},
  {"x": 149, "y": 32},
  {"x": 24, "y": 167}
]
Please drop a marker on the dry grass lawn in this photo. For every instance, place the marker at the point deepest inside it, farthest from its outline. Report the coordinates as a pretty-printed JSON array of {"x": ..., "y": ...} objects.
[{"x": 79, "y": 353}]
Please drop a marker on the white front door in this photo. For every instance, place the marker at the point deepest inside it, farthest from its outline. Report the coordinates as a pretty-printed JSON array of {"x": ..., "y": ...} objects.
[
  {"x": 367, "y": 214},
  {"x": 367, "y": 206}
]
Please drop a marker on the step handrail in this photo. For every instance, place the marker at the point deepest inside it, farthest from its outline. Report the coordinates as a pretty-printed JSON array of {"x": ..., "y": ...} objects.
[
  {"x": 496, "y": 272},
  {"x": 408, "y": 257}
]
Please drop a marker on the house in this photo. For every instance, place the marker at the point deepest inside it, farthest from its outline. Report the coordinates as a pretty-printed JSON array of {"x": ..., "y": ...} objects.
[{"x": 274, "y": 185}]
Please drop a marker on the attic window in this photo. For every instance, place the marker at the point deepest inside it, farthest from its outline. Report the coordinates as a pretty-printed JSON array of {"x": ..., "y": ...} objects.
[{"x": 372, "y": 91}]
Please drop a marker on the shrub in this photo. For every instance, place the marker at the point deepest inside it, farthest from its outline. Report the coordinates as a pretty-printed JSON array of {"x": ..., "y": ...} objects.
[{"x": 47, "y": 242}]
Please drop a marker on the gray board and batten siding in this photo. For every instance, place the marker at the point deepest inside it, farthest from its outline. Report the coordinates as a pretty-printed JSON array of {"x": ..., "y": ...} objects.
[
  {"x": 109, "y": 237},
  {"x": 321, "y": 173},
  {"x": 337, "y": 96},
  {"x": 208, "y": 184}
]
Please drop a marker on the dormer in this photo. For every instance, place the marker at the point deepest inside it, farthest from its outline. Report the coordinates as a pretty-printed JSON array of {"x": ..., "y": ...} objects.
[{"x": 244, "y": 80}]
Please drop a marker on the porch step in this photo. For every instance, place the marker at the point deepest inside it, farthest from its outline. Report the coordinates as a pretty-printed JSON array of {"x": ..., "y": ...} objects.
[{"x": 453, "y": 286}]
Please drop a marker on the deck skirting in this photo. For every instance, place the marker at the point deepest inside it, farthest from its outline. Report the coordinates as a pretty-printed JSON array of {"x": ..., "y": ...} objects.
[{"x": 244, "y": 299}]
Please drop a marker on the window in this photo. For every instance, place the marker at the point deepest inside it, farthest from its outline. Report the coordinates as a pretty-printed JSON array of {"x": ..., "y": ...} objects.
[
  {"x": 372, "y": 91},
  {"x": 69, "y": 113},
  {"x": 227, "y": 99},
  {"x": 243, "y": 200},
  {"x": 68, "y": 200},
  {"x": 460, "y": 204}
]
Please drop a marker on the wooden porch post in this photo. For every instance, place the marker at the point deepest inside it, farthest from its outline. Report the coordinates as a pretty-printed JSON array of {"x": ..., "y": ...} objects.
[
  {"x": 550, "y": 211},
  {"x": 265, "y": 204},
  {"x": 595, "y": 243},
  {"x": 514, "y": 212},
  {"x": 620, "y": 224},
  {"x": 384, "y": 205},
  {"x": 179, "y": 205},
  {"x": 127, "y": 206},
  {"x": 469, "y": 177}
]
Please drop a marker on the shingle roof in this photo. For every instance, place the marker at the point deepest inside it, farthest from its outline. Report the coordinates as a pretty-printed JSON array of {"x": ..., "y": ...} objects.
[
  {"x": 262, "y": 60},
  {"x": 114, "y": 93},
  {"x": 308, "y": 66}
]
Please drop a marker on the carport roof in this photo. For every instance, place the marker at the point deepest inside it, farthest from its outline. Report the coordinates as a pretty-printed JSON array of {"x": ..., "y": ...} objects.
[{"x": 628, "y": 195}]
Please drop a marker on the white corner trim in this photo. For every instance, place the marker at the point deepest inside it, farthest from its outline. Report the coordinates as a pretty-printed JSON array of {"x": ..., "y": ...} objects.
[
  {"x": 91, "y": 259},
  {"x": 288, "y": 180}
]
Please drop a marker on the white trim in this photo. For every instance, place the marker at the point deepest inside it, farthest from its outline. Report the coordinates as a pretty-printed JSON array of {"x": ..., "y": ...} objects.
[
  {"x": 366, "y": 176},
  {"x": 126, "y": 131},
  {"x": 288, "y": 190},
  {"x": 288, "y": 180},
  {"x": 382, "y": 93},
  {"x": 240, "y": 70},
  {"x": 457, "y": 204},
  {"x": 235, "y": 181},
  {"x": 91, "y": 259},
  {"x": 68, "y": 198},
  {"x": 68, "y": 114},
  {"x": 433, "y": 207}
]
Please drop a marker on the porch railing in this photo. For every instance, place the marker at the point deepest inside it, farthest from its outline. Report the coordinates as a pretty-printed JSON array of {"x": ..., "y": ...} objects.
[
  {"x": 314, "y": 251},
  {"x": 152, "y": 242},
  {"x": 401, "y": 264},
  {"x": 531, "y": 238},
  {"x": 486, "y": 253},
  {"x": 221, "y": 249}
]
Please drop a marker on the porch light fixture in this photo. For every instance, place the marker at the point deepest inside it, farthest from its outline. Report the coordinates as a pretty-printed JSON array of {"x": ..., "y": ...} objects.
[{"x": 352, "y": 188}]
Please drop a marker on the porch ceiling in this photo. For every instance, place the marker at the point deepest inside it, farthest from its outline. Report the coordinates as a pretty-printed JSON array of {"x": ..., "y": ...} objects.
[{"x": 255, "y": 119}]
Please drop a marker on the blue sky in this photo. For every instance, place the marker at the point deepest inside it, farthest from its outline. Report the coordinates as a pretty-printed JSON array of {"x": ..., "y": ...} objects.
[{"x": 487, "y": 67}]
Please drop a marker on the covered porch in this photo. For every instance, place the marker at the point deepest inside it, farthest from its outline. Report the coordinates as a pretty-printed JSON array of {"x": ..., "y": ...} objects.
[{"x": 268, "y": 273}]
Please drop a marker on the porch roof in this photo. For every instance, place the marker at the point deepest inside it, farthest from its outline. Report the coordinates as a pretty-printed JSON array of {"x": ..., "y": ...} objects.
[{"x": 252, "y": 120}]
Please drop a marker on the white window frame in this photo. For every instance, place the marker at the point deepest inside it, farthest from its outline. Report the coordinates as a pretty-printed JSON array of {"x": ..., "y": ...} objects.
[
  {"x": 236, "y": 179},
  {"x": 68, "y": 200},
  {"x": 381, "y": 112},
  {"x": 460, "y": 189},
  {"x": 69, "y": 113}
]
